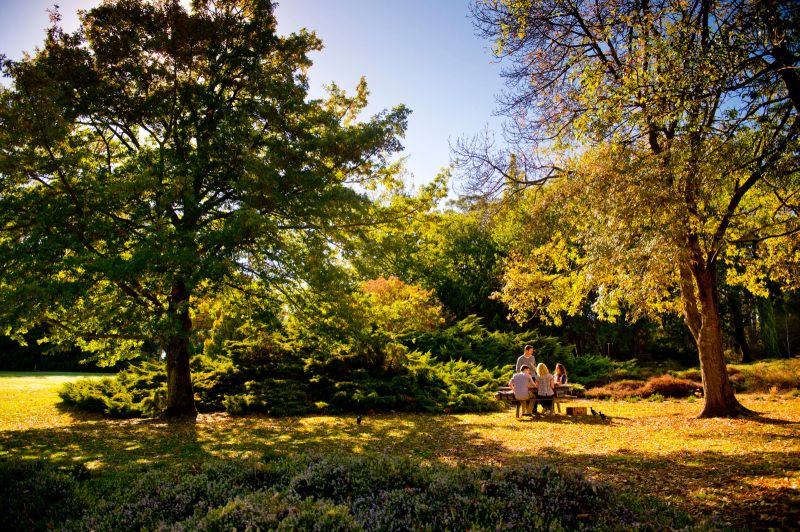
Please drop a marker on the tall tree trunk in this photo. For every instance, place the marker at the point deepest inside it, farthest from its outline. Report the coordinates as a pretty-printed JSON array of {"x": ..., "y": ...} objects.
[
  {"x": 701, "y": 310},
  {"x": 180, "y": 394}
]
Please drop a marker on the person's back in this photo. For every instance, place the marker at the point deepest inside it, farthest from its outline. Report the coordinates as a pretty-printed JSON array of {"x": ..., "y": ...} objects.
[
  {"x": 521, "y": 383},
  {"x": 544, "y": 388},
  {"x": 545, "y": 385}
]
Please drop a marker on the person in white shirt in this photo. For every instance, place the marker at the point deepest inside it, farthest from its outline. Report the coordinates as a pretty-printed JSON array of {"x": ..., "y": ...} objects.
[{"x": 522, "y": 384}]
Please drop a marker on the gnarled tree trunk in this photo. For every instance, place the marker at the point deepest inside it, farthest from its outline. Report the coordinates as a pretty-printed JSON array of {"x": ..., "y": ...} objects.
[
  {"x": 180, "y": 394},
  {"x": 701, "y": 311}
]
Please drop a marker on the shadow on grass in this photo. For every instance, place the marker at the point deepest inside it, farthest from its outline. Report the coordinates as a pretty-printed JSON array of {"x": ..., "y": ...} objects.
[
  {"x": 739, "y": 488},
  {"x": 758, "y": 417}
]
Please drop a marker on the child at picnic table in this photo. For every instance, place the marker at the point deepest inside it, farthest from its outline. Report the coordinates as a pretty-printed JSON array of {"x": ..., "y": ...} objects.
[
  {"x": 560, "y": 373},
  {"x": 544, "y": 388},
  {"x": 522, "y": 384}
]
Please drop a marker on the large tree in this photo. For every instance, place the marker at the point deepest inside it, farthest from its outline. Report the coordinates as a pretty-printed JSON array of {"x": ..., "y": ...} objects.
[
  {"x": 160, "y": 153},
  {"x": 675, "y": 126}
]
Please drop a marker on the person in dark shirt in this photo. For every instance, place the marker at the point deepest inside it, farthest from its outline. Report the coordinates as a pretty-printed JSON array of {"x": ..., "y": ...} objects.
[{"x": 561, "y": 374}]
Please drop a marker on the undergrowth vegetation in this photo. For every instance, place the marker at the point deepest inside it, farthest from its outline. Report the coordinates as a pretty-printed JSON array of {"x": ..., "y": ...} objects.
[
  {"x": 663, "y": 386},
  {"x": 448, "y": 370},
  {"x": 332, "y": 492},
  {"x": 264, "y": 376}
]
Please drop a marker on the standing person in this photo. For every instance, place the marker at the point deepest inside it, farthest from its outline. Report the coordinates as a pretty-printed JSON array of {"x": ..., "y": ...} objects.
[
  {"x": 544, "y": 388},
  {"x": 527, "y": 359},
  {"x": 522, "y": 383},
  {"x": 561, "y": 373}
]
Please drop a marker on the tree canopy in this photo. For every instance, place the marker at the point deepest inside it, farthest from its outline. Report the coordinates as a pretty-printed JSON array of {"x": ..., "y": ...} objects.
[
  {"x": 160, "y": 153},
  {"x": 673, "y": 128}
]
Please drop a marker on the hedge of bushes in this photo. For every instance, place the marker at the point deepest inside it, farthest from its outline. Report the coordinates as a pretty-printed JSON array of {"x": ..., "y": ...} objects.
[
  {"x": 469, "y": 340},
  {"x": 358, "y": 382},
  {"x": 456, "y": 369},
  {"x": 141, "y": 390},
  {"x": 327, "y": 493}
]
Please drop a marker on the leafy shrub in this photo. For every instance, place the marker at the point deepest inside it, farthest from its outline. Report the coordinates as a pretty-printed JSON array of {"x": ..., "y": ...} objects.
[
  {"x": 669, "y": 386},
  {"x": 276, "y": 397},
  {"x": 663, "y": 386},
  {"x": 784, "y": 374},
  {"x": 413, "y": 382},
  {"x": 469, "y": 340},
  {"x": 692, "y": 374},
  {"x": 92, "y": 395},
  {"x": 738, "y": 381},
  {"x": 616, "y": 390},
  {"x": 578, "y": 390},
  {"x": 371, "y": 374},
  {"x": 395, "y": 306},
  {"x": 593, "y": 369},
  {"x": 141, "y": 390},
  {"x": 35, "y": 495},
  {"x": 377, "y": 493},
  {"x": 212, "y": 379}
]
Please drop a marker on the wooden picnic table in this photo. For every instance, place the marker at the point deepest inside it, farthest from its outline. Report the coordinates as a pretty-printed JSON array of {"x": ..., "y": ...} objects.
[{"x": 562, "y": 392}]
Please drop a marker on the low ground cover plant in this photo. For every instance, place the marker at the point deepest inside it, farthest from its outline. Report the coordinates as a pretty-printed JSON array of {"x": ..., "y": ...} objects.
[
  {"x": 34, "y": 495},
  {"x": 337, "y": 492}
]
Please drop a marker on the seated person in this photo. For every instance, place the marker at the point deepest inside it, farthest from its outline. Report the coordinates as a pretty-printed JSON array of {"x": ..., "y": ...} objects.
[
  {"x": 544, "y": 388},
  {"x": 561, "y": 374},
  {"x": 522, "y": 383}
]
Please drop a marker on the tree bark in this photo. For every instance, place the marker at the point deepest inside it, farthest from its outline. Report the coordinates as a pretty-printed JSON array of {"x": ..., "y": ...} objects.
[
  {"x": 180, "y": 393},
  {"x": 720, "y": 400}
]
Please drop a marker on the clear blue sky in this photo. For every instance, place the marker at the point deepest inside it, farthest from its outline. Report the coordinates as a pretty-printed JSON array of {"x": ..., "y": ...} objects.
[{"x": 421, "y": 53}]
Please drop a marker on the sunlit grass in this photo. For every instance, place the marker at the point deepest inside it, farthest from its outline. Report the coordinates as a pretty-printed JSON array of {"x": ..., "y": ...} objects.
[
  {"x": 656, "y": 449},
  {"x": 28, "y": 399}
]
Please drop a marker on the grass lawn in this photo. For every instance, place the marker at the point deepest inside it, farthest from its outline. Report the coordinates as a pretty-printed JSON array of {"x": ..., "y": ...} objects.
[{"x": 744, "y": 471}]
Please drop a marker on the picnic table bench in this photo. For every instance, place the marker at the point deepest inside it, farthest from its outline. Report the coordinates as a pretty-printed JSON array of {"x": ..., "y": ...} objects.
[{"x": 563, "y": 392}]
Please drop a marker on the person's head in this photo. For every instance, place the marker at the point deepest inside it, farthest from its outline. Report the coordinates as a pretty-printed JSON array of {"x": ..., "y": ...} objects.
[
  {"x": 528, "y": 350},
  {"x": 560, "y": 370},
  {"x": 526, "y": 370},
  {"x": 541, "y": 369}
]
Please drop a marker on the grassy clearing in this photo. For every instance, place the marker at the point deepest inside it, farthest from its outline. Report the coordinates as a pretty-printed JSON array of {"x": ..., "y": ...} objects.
[
  {"x": 28, "y": 399},
  {"x": 746, "y": 471}
]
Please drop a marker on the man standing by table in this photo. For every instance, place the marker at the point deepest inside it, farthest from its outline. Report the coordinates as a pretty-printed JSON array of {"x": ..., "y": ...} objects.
[{"x": 527, "y": 359}]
